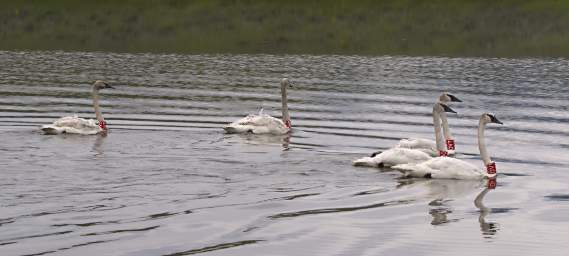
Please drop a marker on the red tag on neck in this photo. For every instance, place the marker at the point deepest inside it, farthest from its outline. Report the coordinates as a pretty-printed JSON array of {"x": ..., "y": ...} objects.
[
  {"x": 450, "y": 144},
  {"x": 492, "y": 183},
  {"x": 491, "y": 168},
  {"x": 287, "y": 124},
  {"x": 443, "y": 153},
  {"x": 103, "y": 124}
]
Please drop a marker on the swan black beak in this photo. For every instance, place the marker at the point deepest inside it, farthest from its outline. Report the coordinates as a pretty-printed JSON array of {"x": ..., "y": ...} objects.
[
  {"x": 495, "y": 120},
  {"x": 108, "y": 86},
  {"x": 453, "y": 98},
  {"x": 447, "y": 108}
]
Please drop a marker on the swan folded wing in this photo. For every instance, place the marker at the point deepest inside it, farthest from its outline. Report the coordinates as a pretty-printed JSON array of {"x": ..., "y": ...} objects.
[
  {"x": 393, "y": 156},
  {"x": 441, "y": 168},
  {"x": 72, "y": 124},
  {"x": 425, "y": 145},
  {"x": 416, "y": 143},
  {"x": 257, "y": 124},
  {"x": 76, "y": 122}
]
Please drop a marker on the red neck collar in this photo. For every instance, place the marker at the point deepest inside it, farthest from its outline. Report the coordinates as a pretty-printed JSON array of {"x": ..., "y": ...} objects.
[
  {"x": 450, "y": 144},
  {"x": 492, "y": 183},
  {"x": 491, "y": 168},
  {"x": 288, "y": 124},
  {"x": 103, "y": 124}
]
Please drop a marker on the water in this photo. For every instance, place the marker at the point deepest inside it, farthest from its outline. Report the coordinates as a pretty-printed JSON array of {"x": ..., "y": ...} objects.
[{"x": 167, "y": 181}]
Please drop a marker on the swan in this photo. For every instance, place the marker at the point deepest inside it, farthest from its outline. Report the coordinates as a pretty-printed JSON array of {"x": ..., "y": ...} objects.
[
  {"x": 429, "y": 146},
  {"x": 452, "y": 168},
  {"x": 399, "y": 155},
  {"x": 74, "y": 124},
  {"x": 263, "y": 123}
]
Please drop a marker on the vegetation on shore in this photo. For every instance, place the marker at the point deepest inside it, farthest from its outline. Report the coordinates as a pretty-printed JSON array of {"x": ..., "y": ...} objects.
[{"x": 500, "y": 28}]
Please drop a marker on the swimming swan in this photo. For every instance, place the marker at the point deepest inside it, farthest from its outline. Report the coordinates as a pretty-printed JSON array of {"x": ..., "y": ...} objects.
[
  {"x": 74, "y": 124},
  {"x": 429, "y": 146},
  {"x": 263, "y": 123},
  {"x": 452, "y": 168},
  {"x": 398, "y": 155}
]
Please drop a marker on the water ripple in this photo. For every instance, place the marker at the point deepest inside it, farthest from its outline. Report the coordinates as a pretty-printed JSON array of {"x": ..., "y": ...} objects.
[{"x": 167, "y": 181}]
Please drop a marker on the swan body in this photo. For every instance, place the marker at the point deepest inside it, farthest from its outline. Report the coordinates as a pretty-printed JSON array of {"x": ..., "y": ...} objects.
[
  {"x": 400, "y": 155},
  {"x": 258, "y": 124},
  {"x": 451, "y": 168},
  {"x": 73, "y": 124},
  {"x": 429, "y": 146},
  {"x": 424, "y": 145},
  {"x": 441, "y": 168},
  {"x": 76, "y": 125},
  {"x": 263, "y": 123},
  {"x": 392, "y": 157}
]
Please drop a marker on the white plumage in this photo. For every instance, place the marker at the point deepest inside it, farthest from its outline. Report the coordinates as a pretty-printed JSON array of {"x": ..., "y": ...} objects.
[
  {"x": 262, "y": 123},
  {"x": 402, "y": 155},
  {"x": 393, "y": 156},
  {"x": 425, "y": 145},
  {"x": 258, "y": 124},
  {"x": 72, "y": 124},
  {"x": 441, "y": 168},
  {"x": 452, "y": 168},
  {"x": 76, "y": 125},
  {"x": 429, "y": 146}
]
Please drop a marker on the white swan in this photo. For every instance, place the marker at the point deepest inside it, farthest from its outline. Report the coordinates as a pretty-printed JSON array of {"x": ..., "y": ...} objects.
[
  {"x": 74, "y": 124},
  {"x": 452, "y": 168},
  {"x": 263, "y": 123},
  {"x": 398, "y": 155},
  {"x": 429, "y": 146}
]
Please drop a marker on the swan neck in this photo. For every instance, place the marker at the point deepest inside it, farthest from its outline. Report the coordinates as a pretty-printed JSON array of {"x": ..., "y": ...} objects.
[
  {"x": 96, "y": 105},
  {"x": 446, "y": 129},
  {"x": 438, "y": 132},
  {"x": 482, "y": 143},
  {"x": 286, "y": 116}
]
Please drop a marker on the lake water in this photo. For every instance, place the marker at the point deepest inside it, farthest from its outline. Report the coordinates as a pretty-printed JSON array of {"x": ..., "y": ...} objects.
[{"x": 166, "y": 180}]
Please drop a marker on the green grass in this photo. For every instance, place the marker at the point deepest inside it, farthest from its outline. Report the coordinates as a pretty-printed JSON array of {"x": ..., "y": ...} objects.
[{"x": 501, "y": 28}]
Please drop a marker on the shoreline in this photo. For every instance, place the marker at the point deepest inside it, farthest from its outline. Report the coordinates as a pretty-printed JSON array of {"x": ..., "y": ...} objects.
[{"x": 463, "y": 28}]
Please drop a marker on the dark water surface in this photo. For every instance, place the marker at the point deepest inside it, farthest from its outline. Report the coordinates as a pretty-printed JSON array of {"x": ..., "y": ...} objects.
[{"x": 167, "y": 181}]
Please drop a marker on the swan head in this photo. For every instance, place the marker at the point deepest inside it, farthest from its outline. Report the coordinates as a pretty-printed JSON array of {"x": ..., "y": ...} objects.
[
  {"x": 490, "y": 118},
  {"x": 441, "y": 107},
  {"x": 98, "y": 85},
  {"x": 286, "y": 83},
  {"x": 447, "y": 97}
]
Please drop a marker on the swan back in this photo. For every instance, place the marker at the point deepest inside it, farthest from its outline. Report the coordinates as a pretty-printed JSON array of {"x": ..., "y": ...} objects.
[
  {"x": 262, "y": 123},
  {"x": 73, "y": 124},
  {"x": 393, "y": 156},
  {"x": 441, "y": 168},
  {"x": 257, "y": 124}
]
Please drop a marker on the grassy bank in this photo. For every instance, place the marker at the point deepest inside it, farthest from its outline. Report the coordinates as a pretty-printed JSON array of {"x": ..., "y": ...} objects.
[{"x": 501, "y": 28}]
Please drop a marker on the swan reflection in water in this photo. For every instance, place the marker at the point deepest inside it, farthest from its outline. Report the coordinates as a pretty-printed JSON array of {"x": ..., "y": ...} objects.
[
  {"x": 98, "y": 145},
  {"x": 488, "y": 229},
  {"x": 445, "y": 191},
  {"x": 260, "y": 139}
]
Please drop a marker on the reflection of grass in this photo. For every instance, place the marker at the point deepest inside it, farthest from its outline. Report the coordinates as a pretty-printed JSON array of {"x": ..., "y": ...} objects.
[{"x": 408, "y": 27}]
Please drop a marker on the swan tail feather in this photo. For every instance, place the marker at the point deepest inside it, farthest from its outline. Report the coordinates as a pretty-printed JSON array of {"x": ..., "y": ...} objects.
[
  {"x": 49, "y": 130},
  {"x": 366, "y": 161},
  {"x": 232, "y": 128}
]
